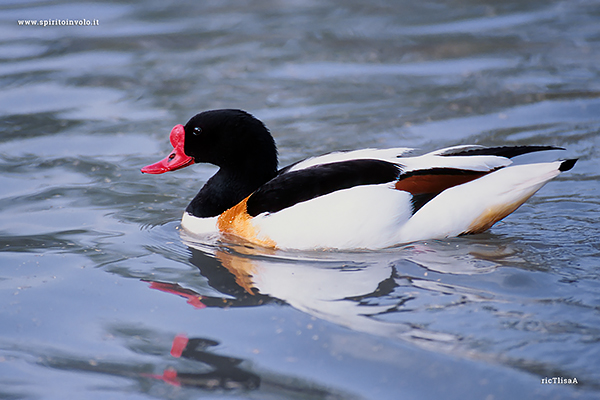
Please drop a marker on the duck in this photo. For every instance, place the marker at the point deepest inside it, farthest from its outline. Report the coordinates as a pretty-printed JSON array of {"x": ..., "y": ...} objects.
[{"x": 356, "y": 199}]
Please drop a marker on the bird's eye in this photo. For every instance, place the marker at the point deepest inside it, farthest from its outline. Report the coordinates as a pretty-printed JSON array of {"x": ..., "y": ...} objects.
[{"x": 197, "y": 130}]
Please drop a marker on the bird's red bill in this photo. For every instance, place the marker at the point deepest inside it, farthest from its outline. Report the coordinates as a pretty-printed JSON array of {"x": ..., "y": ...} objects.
[{"x": 177, "y": 159}]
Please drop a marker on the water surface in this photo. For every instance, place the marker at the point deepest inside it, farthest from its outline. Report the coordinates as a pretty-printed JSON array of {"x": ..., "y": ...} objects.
[{"x": 97, "y": 280}]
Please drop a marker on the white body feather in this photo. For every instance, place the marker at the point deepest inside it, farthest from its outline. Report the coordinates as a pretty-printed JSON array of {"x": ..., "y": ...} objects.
[
  {"x": 199, "y": 226},
  {"x": 361, "y": 217}
]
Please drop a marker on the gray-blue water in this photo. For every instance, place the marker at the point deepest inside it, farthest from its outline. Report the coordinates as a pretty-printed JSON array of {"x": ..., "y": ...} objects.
[{"x": 96, "y": 281}]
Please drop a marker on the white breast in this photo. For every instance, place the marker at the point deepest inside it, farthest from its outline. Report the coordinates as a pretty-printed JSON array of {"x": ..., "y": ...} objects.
[{"x": 199, "y": 226}]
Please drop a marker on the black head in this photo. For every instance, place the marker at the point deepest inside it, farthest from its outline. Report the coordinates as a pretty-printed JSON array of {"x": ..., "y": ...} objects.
[
  {"x": 229, "y": 139},
  {"x": 233, "y": 140}
]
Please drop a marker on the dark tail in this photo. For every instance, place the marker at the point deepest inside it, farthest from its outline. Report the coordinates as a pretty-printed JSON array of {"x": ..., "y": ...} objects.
[{"x": 567, "y": 165}]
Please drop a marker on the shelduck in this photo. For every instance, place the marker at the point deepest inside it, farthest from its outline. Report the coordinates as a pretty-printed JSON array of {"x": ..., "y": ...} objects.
[{"x": 360, "y": 199}]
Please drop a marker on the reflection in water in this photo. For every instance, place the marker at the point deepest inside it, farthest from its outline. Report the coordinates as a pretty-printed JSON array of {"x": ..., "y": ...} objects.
[
  {"x": 191, "y": 363},
  {"x": 357, "y": 294},
  {"x": 225, "y": 373}
]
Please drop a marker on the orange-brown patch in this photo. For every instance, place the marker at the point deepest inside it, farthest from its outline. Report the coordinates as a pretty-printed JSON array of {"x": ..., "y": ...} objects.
[
  {"x": 241, "y": 267},
  {"x": 434, "y": 183},
  {"x": 238, "y": 261},
  {"x": 236, "y": 221},
  {"x": 493, "y": 215}
]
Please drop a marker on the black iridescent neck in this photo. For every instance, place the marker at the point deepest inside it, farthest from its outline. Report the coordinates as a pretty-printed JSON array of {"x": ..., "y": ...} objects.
[{"x": 226, "y": 189}]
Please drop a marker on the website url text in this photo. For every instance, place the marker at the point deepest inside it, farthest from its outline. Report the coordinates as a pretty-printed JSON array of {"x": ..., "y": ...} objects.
[{"x": 58, "y": 22}]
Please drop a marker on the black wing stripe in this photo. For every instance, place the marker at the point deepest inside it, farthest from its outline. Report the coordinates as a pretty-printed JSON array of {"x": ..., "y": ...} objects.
[
  {"x": 502, "y": 151},
  {"x": 294, "y": 187}
]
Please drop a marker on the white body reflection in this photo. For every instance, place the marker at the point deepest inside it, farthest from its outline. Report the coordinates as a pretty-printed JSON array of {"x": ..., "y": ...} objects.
[{"x": 364, "y": 291}]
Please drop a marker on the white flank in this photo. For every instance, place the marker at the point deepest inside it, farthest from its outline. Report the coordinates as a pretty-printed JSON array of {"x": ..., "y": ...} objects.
[
  {"x": 391, "y": 155},
  {"x": 452, "y": 149},
  {"x": 436, "y": 160},
  {"x": 360, "y": 217}
]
